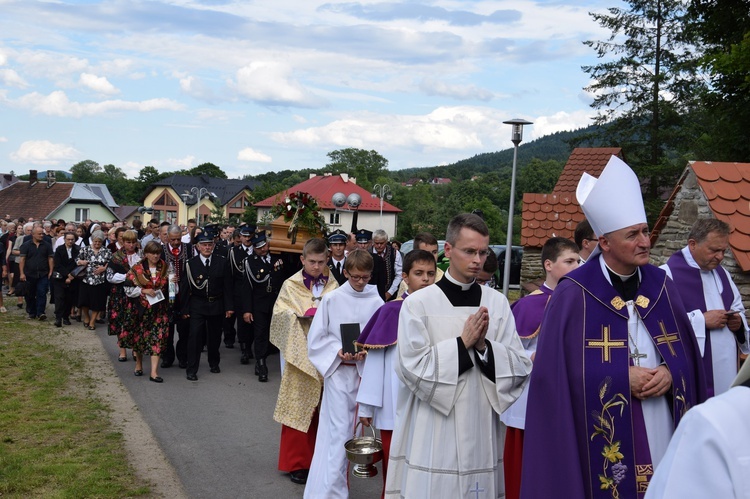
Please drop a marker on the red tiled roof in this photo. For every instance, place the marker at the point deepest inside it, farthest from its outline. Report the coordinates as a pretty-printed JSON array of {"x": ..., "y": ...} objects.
[
  {"x": 727, "y": 189},
  {"x": 558, "y": 213},
  {"x": 323, "y": 187},
  {"x": 20, "y": 200}
]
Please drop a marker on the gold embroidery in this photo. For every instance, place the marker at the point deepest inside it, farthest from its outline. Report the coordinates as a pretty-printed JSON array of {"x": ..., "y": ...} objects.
[
  {"x": 605, "y": 343},
  {"x": 643, "y": 474},
  {"x": 667, "y": 338},
  {"x": 613, "y": 469},
  {"x": 618, "y": 303},
  {"x": 642, "y": 301}
]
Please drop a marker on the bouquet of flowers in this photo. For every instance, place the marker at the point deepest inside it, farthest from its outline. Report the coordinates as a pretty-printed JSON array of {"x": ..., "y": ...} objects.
[{"x": 300, "y": 209}]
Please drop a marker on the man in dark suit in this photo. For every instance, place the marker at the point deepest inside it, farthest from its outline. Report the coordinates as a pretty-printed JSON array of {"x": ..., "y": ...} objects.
[
  {"x": 64, "y": 261},
  {"x": 176, "y": 254},
  {"x": 379, "y": 274},
  {"x": 264, "y": 274},
  {"x": 237, "y": 256},
  {"x": 337, "y": 247},
  {"x": 206, "y": 299}
]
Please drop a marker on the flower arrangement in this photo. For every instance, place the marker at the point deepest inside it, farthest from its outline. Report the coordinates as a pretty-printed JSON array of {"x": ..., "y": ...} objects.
[{"x": 299, "y": 209}]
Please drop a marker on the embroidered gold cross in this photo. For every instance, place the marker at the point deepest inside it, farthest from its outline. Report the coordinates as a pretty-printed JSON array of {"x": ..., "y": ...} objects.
[
  {"x": 605, "y": 343},
  {"x": 667, "y": 338}
]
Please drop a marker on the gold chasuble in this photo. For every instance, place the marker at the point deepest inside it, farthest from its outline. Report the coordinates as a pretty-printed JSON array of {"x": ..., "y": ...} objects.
[{"x": 299, "y": 393}]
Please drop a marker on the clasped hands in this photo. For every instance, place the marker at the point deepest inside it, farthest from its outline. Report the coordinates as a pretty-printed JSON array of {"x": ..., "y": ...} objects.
[
  {"x": 475, "y": 329},
  {"x": 646, "y": 382},
  {"x": 717, "y": 319}
]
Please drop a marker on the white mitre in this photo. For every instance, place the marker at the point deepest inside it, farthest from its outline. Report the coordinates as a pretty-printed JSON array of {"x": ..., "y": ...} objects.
[{"x": 614, "y": 200}]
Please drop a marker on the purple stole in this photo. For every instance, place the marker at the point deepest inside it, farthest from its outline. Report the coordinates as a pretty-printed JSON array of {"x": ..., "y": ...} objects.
[
  {"x": 584, "y": 431},
  {"x": 381, "y": 330},
  {"x": 528, "y": 312},
  {"x": 688, "y": 280}
]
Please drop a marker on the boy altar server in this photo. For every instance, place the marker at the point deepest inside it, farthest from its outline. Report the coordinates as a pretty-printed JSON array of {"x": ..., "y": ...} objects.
[
  {"x": 354, "y": 302},
  {"x": 299, "y": 393},
  {"x": 559, "y": 256},
  {"x": 379, "y": 386}
]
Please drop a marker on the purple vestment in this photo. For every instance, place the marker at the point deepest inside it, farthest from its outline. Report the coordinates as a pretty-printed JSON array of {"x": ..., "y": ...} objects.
[
  {"x": 690, "y": 284},
  {"x": 580, "y": 439},
  {"x": 382, "y": 329},
  {"x": 528, "y": 312}
]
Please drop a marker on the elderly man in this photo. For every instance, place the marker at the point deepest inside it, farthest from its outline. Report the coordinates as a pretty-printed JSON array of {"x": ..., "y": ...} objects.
[
  {"x": 616, "y": 364},
  {"x": 713, "y": 302},
  {"x": 35, "y": 267},
  {"x": 392, "y": 259}
]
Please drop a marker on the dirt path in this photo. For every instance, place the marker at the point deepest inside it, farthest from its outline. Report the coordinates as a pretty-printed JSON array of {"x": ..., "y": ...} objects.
[{"x": 144, "y": 453}]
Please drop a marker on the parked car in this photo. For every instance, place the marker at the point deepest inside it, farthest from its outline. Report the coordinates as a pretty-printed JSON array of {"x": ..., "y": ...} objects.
[
  {"x": 516, "y": 258},
  {"x": 409, "y": 245}
]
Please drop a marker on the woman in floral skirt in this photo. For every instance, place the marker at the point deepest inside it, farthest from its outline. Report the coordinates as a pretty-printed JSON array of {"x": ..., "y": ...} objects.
[
  {"x": 148, "y": 280},
  {"x": 121, "y": 308}
]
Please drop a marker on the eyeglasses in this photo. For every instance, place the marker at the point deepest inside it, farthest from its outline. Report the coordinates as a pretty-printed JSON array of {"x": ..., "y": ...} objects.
[
  {"x": 471, "y": 253},
  {"x": 359, "y": 278}
]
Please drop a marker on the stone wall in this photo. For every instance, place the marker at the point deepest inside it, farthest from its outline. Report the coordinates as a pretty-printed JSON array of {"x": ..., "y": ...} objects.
[
  {"x": 690, "y": 205},
  {"x": 531, "y": 267}
]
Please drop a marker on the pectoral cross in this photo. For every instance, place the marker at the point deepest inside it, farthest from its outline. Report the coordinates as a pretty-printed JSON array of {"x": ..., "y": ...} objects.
[
  {"x": 476, "y": 490},
  {"x": 637, "y": 356}
]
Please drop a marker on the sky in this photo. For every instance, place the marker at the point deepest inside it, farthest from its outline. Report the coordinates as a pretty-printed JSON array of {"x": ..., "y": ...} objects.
[{"x": 267, "y": 85}]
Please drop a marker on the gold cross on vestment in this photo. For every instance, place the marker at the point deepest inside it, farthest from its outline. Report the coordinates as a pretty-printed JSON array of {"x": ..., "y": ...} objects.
[
  {"x": 605, "y": 343},
  {"x": 667, "y": 338}
]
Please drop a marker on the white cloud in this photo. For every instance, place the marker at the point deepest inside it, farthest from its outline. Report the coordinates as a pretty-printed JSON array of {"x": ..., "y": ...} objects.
[
  {"x": 271, "y": 83},
  {"x": 248, "y": 154},
  {"x": 12, "y": 79},
  {"x": 3, "y": 58},
  {"x": 3, "y": 139},
  {"x": 432, "y": 86},
  {"x": 186, "y": 162},
  {"x": 44, "y": 152},
  {"x": 131, "y": 169},
  {"x": 98, "y": 84},
  {"x": 58, "y": 104},
  {"x": 560, "y": 122}
]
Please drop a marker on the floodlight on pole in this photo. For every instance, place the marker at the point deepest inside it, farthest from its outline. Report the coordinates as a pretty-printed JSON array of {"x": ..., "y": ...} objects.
[
  {"x": 516, "y": 138},
  {"x": 381, "y": 191}
]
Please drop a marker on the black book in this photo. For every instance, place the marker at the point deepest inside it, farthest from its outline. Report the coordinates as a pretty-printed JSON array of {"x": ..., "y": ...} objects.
[{"x": 349, "y": 335}]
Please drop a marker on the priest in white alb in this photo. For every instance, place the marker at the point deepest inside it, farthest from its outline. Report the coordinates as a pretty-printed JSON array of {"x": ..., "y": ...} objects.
[{"x": 462, "y": 364}]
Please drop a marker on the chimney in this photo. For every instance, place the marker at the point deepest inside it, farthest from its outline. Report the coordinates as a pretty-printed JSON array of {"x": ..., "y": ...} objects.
[
  {"x": 33, "y": 179},
  {"x": 50, "y": 178}
]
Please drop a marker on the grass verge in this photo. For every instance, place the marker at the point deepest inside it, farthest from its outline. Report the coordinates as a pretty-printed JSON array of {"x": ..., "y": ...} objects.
[{"x": 56, "y": 438}]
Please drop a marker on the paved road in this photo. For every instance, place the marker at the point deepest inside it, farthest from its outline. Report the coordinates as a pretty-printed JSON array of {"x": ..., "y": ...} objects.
[{"x": 219, "y": 433}]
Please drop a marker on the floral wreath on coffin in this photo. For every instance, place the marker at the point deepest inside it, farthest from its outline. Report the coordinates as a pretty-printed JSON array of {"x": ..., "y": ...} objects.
[{"x": 300, "y": 210}]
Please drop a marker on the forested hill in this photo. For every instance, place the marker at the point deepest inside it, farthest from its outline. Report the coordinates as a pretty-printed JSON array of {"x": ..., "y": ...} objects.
[{"x": 550, "y": 147}]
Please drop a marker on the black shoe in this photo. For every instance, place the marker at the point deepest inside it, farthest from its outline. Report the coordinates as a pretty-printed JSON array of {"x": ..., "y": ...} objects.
[
  {"x": 58, "y": 323},
  {"x": 43, "y": 317},
  {"x": 77, "y": 318},
  {"x": 245, "y": 359},
  {"x": 262, "y": 370},
  {"x": 166, "y": 365},
  {"x": 215, "y": 370},
  {"x": 138, "y": 372},
  {"x": 192, "y": 377},
  {"x": 182, "y": 365},
  {"x": 229, "y": 345},
  {"x": 66, "y": 322},
  {"x": 157, "y": 379},
  {"x": 299, "y": 476},
  {"x": 100, "y": 321},
  {"x": 32, "y": 317}
]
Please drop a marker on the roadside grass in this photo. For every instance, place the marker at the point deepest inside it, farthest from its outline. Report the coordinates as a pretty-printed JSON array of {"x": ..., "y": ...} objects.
[{"x": 56, "y": 439}]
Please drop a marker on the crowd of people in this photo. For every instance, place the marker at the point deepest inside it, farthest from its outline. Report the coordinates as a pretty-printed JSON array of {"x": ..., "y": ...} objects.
[{"x": 575, "y": 390}]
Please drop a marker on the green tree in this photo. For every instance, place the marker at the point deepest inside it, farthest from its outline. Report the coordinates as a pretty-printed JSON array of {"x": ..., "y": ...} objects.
[
  {"x": 85, "y": 171},
  {"x": 365, "y": 166},
  {"x": 148, "y": 175},
  {"x": 209, "y": 169}
]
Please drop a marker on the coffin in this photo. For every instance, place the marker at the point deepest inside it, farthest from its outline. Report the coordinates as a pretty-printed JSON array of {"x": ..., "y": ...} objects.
[{"x": 282, "y": 241}]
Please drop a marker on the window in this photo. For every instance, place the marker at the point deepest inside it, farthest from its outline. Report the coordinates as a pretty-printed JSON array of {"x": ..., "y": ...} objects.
[
  {"x": 82, "y": 214},
  {"x": 334, "y": 219},
  {"x": 171, "y": 217},
  {"x": 165, "y": 200}
]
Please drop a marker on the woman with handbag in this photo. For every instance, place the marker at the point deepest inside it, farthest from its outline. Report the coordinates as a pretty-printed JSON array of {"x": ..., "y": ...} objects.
[
  {"x": 92, "y": 296},
  {"x": 64, "y": 283},
  {"x": 121, "y": 308},
  {"x": 147, "y": 283}
]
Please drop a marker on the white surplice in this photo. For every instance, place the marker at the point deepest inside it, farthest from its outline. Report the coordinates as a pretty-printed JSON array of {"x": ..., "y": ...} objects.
[
  {"x": 723, "y": 342},
  {"x": 378, "y": 391},
  {"x": 448, "y": 441},
  {"x": 327, "y": 477},
  {"x": 709, "y": 455}
]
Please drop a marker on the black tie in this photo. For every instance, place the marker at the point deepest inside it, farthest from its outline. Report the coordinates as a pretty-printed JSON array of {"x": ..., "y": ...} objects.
[
  {"x": 208, "y": 262},
  {"x": 338, "y": 267}
]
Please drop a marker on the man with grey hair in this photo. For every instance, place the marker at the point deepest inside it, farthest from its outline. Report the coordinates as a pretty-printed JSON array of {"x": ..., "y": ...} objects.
[
  {"x": 393, "y": 263},
  {"x": 35, "y": 267},
  {"x": 712, "y": 300}
]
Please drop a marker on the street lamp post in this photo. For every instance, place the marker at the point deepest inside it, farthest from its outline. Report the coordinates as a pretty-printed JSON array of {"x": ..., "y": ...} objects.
[
  {"x": 516, "y": 138},
  {"x": 381, "y": 191},
  {"x": 198, "y": 193},
  {"x": 340, "y": 200}
]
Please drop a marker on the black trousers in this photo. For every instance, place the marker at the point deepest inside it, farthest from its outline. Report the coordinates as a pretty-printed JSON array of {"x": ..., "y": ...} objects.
[
  {"x": 261, "y": 332},
  {"x": 182, "y": 328},
  {"x": 227, "y": 326},
  {"x": 63, "y": 298},
  {"x": 244, "y": 332},
  {"x": 200, "y": 325}
]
